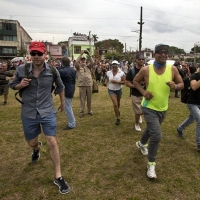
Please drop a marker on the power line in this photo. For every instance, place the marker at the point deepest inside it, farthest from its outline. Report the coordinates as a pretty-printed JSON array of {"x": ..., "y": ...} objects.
[
  {"x": 173, "y": 26},
  {"x": 42, "y": 16},
  {"x": 154, "y": 10}
]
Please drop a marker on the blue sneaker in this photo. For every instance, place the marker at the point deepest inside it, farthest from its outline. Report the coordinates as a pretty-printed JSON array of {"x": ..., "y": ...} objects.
[{"x": 180, "y": 133}]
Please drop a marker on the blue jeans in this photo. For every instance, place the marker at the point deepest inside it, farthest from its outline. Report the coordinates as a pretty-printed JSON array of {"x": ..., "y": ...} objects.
[
  {"x": 186, "y": 123},
  {"x": 69, "y": 113},
  {"x": 195, "y": 113}
]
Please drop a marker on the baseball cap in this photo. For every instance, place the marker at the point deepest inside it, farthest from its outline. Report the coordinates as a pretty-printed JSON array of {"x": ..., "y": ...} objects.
[
  {"x": 161, "y": 47},
  {"x": 139, "y": 56},
  {"x": 37, "y": 46},
  {"x": 115, "y": 62}
]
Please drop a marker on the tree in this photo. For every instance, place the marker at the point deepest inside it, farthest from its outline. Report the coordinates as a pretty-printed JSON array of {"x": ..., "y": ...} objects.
[
  {"x": 64, "y": 45},
  {"x": 95, "y": 38},
  {"x": 21, "y": 52},
  {"x": 113, "y": 45},
  {"x": 175, "y": 50},
  {"x": 113, "y": 56},
  {"x": 197, "y": 49}
]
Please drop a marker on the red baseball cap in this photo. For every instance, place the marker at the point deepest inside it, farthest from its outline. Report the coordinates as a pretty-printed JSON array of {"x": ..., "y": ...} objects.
[{"x": 37, "y": 46}]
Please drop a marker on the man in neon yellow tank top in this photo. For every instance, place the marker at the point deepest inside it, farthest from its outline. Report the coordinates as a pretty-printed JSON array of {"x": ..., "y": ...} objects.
[{"x": 159, "y": 78}]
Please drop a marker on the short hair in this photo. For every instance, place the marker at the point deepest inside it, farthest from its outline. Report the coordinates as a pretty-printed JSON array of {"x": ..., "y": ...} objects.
[
  {"x": 4, "y": 63},
  {"x": 65, "y": 61}
]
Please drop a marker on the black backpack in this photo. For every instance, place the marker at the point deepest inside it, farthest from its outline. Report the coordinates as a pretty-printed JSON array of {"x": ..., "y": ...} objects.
[
  {"x": 185, "y": 92},
  {"x": 27, "y": 67}
]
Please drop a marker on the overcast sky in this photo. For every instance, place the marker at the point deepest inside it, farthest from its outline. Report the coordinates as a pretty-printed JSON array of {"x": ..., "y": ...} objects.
[{"x": 173, "y": 22}]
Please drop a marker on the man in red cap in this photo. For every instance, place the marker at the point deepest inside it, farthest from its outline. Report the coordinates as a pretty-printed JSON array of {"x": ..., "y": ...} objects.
[{"x": 37, "y": 108}]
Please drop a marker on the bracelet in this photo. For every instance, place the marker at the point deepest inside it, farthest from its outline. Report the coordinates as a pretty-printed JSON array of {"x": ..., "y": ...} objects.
[{"x": 176, "y": 87}]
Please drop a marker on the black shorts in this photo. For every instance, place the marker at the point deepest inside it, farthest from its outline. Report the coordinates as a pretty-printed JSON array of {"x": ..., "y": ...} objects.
[{"x": 4, "y": 89}]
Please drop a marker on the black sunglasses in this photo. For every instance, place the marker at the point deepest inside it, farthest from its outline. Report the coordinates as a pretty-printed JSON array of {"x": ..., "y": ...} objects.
[
  {"x": 140, "y": 59},
  {"x": 161, "y": 52},
  {"x": 36, "y": 53}
]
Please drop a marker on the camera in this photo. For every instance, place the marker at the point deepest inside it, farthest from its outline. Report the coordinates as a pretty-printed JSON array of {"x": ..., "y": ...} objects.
[{"x": 86, "y": 52}]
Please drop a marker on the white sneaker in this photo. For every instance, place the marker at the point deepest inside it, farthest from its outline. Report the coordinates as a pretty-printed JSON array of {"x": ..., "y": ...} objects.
[
  {"x": 140, "y": 120},
  {"x": 151, "y": 173},
  {"x": 137, "y": 127},
  {"x": 143, "y": 148}
]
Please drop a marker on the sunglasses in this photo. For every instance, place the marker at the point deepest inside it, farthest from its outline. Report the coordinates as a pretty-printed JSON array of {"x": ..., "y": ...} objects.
[
  {"x": 36, "y": 53},
  {"x": 140, "y": 59},
  {"x": 162, "y": 52}
]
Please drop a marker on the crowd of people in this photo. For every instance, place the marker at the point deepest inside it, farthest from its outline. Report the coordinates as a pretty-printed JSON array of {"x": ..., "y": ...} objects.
[{"x": 150, "y": 87}]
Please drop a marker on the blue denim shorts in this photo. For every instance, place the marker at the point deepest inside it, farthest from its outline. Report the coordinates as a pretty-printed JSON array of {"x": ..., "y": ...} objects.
[
  {"x": 118, "y": 93},
  {"x": 32, "y": 127}
]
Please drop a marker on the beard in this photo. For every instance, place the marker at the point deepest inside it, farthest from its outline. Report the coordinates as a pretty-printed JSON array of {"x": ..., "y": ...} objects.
[{"x": 38, "y": 63}]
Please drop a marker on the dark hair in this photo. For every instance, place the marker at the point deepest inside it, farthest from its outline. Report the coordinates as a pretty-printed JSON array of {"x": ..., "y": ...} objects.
[
  {"x": 65, "y": 61},
  {"x": 192, "y": 70}
]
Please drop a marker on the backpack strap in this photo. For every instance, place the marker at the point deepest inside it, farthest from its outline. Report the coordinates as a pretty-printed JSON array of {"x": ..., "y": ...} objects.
[
  {"x": 133, "y": 72},
  {"x": 26, "y": 68},
  {"x": 53, "y": 70},
  {"x": 133, "y": 75},
  {"x": 26, "y": 75}
]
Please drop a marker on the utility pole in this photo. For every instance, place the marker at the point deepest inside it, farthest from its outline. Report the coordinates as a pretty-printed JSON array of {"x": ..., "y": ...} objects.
[
  {"x": 194, "y": 54},
  {"x": 140, "y": 23},
  {"x": 89, "y": 41},
  {"x": 125, "y": 47}
]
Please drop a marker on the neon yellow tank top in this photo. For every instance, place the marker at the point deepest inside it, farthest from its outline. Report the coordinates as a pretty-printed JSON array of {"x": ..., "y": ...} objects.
[{"x": 160, "y": 90}]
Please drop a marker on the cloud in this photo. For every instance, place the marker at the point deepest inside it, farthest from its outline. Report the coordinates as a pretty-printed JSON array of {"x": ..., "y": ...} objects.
[{"x": 174, "y": 23}]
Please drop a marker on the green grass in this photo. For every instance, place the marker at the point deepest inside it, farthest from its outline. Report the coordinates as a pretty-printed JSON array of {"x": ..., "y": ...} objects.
[{"x": 99, "y": 159}]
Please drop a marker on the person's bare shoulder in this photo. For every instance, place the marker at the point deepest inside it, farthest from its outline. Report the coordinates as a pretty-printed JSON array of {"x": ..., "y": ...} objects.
[{"x": 144, "y": 69}]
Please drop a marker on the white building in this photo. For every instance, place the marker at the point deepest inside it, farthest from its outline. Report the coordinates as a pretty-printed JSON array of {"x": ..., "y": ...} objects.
[
  {"x": 79, "y": 42},
  {"x": 13, "y": 37}
]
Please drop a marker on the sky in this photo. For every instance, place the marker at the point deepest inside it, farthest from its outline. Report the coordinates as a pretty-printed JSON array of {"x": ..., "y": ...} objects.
[{"x": 176, "y": 23}]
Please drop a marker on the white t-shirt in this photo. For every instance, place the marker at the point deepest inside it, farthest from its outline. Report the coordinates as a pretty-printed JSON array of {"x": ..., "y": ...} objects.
[{"x": 117, "y": 77}]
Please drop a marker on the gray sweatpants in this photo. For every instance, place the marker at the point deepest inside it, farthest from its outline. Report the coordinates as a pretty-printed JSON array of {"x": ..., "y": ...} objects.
[{"x": 153, "y": 131}]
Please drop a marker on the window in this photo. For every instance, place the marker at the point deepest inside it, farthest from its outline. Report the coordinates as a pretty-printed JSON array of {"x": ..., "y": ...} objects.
[
  {"x": 9, "y": 38},
  {"x": 14, "y": 38},
  {"x": 8, "y": 26},
  {"x": 56, "y": 49},
  {"x": 1, "y": 26},
  {"x": 5, "y": 50},
  {"x": 77, "y": 49},
  {"x": 8, "y": 51},
  {"x": 147, "y": 54}
]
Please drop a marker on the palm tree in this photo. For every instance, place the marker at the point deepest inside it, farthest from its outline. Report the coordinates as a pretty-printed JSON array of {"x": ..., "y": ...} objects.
[{"x": 95, "y": 37}]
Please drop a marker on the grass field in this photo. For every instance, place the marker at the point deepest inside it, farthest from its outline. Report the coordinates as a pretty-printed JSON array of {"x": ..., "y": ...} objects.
[{"x": 99, "y": 159}]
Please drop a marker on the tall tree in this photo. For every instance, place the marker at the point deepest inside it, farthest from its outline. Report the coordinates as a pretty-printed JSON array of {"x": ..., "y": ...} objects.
[
  {"x": 175, "y": 50},
  {"x": 95, "y": 37},
  {"x": 197, "y": 49},
  {"x": 114, "y": 45}
]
